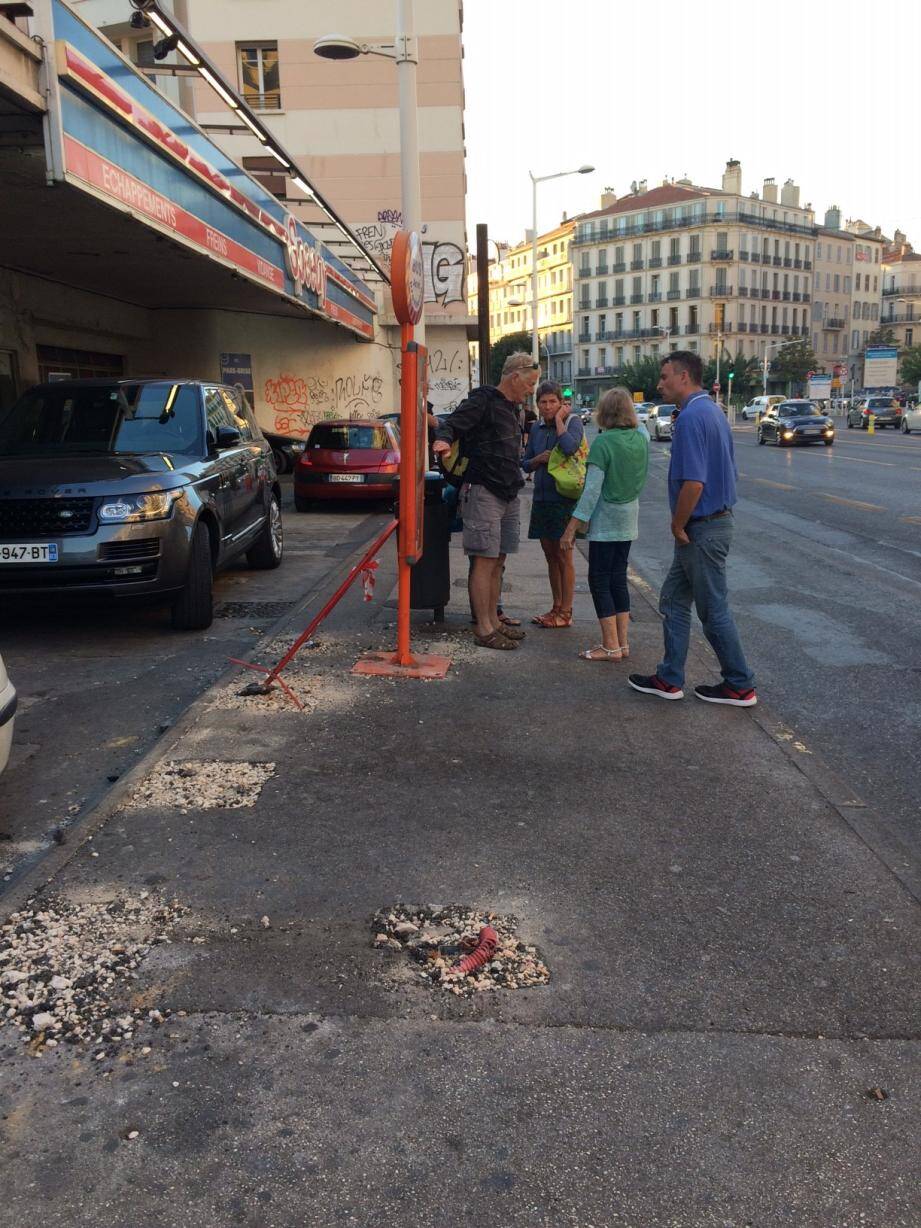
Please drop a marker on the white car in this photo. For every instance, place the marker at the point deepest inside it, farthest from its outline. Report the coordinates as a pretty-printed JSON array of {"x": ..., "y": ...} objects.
[
  {"x": 642, "y": 409},
  {"x": 758, "y": 407},
  {"x": 7, "y": 714},
  {"x": 911, "y": 419},
  {"x": 659, "y": 421}
]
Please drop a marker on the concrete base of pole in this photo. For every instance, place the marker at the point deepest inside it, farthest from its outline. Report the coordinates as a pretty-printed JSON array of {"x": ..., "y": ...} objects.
[{"x": 387, "y": 665}]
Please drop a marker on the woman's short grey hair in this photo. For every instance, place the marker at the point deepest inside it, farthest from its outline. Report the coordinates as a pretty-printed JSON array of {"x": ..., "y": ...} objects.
[
  {"x": 616, "y": 409},
  {"x": 519, "y": 361},
  {"x": 548, "y": 388}
]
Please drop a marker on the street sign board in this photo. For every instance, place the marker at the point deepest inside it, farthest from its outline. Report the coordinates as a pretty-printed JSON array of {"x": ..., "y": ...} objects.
[
  {"x": 407, "y": 277},
  {"x": 819, "y": 387},
  {"x": 880, "y": 366}
]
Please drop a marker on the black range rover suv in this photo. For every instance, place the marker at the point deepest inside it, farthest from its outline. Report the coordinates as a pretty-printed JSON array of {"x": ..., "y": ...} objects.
[{"x": 134, "y": 488}]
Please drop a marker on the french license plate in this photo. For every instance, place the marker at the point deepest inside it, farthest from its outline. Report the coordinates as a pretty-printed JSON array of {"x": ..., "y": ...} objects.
[
  {"x": 813, "y": 430},
  {"x": 346, "y": 477},
  {"x": 29, "y": 552}
]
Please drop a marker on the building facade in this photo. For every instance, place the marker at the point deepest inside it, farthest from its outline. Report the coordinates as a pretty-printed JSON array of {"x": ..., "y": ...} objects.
[
  {"x": 832, "y": 293},
  {"x": 866, "y": 300},
  {"x": 510, "y": 297},
  {"x": 902, "y": 292},
  {"x": 340, "y": 122},
  {"x": 690, "y": 267}
]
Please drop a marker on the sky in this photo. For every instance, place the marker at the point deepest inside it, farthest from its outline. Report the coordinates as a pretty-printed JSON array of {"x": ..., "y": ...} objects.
[{"x": 808, "y": 90}]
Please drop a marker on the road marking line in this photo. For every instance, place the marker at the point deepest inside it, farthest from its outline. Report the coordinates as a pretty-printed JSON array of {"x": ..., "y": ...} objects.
[
  {"x": 767, "y": 482},
  {"x": 910, "y": 519},
  {"x": 867, "y": 507},
  {"x": 860, "y": 460}
]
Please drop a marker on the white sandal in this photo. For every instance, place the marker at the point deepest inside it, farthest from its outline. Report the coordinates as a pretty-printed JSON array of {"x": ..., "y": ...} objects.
[{"x": 610, "y": 654}]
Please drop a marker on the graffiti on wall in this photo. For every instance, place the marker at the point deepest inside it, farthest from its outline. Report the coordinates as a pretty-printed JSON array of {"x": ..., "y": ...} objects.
[
  {"x": 443, "y": 261},
  {"x": 298, "y": 403}
]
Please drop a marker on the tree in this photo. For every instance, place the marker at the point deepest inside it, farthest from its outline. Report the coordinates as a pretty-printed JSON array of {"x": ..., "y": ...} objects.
[
  {"x": 793, "y": 362},
  {"x": 501, "y": 350},
  {"x": 881, "y": 336},
  {"x": 910, "y": 365},
  {"x": 641, "y": 376}
]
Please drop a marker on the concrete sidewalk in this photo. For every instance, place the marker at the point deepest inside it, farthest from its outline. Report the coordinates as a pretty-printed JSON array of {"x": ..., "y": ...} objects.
[{"x": 733, "y": 969}]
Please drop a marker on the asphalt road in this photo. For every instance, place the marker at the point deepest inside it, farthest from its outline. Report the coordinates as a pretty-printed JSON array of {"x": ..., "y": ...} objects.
[
  {"x": 98, "y": 684},
  {"x": 825, "y": 578}
]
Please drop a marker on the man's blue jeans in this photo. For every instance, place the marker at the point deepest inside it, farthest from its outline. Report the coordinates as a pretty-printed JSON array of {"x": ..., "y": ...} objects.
[{"x": 698, "y": 575}]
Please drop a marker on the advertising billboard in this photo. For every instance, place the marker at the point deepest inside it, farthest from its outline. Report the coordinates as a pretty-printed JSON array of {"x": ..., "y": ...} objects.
[{"x": 819, "y": 387}]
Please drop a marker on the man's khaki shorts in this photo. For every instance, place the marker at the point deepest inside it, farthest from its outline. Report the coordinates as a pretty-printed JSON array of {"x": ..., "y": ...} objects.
[{"x": 491, "y": 525}]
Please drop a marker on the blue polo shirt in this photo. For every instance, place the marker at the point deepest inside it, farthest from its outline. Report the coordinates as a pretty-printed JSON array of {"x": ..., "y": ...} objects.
[{"x": 702, "y": 451}]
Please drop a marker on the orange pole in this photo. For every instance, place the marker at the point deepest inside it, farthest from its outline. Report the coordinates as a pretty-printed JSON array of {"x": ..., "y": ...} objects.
[{"x": 404, "y": 654}]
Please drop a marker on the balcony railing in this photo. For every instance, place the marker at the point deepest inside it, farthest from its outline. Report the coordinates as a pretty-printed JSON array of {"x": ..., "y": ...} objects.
[
  {"x": 743, "y": 255},
  {"x": 721, "y": 291},
  {"x": 636, "y": 264},
  {"x": 765, "y": 328},
  {"x": 583, "y": 372},
  {"x": 673, "y": 294},
  {"x": 756, "y": 257},
  {"x": 785, "y": 294},
  {"x": 655, "y": 297},
  {"x": 743, "y": 291},
  {"x": 618, "y": 267},
  {"x": 904, "y": 317},
  {"x": 636, "y": 298},
  {"x": 585, "y": 304},
  {"x": 601, "y": 302},
  {"x": 797, "y": 263},
  {"x": 721, "y": 253},
  {"x": 754, "y": 292},
  {"x": 775, "y": 294},
  {"x": 903, "y": 291},
  {"x": 618, "y": 300},
  {"x": 692, "y": 292},
  {"x": 695, "y": 256},
  {"x": 584, "y": 337},
  {"x": 674, "y": 260},
  {"x": 833, "y": 322},
  {"x": 655, "y": 262},
  {"x": 692, "y": 329},
  {"x": 788, "y": 262},
  {"x": 807, "y": 298},
  {"x": 778, "y": 261},
  {"x": 743, "y": 327},
  {"x": 722, "y": 219},
  {"x": 601, "y": 270},
  {"x": 775, "y": 329},
  {"x": 797, "y": 297},
  {"x": 807, "y": 264}
]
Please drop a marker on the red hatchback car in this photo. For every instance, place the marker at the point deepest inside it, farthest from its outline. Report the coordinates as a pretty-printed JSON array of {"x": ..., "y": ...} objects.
[{"x": 348, "y": 458}]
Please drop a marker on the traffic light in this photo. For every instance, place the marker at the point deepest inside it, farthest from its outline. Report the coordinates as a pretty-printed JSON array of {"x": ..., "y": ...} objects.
[{"x": 567, "y": 394}]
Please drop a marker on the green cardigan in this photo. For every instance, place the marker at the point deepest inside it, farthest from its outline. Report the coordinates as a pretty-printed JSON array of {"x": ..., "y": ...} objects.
[{"x": 622, "y": 454}]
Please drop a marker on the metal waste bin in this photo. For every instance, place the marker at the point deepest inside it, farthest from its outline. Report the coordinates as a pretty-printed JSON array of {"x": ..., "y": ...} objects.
[{"x": 430, "y": 578}]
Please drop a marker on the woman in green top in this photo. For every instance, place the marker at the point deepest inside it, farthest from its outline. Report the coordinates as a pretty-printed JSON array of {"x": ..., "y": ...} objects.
[{"x": 618, "y": 462}]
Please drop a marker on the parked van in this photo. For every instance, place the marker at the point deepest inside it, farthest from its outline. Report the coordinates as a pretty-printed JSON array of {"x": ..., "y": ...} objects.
[{"x": 758, "y": 406}]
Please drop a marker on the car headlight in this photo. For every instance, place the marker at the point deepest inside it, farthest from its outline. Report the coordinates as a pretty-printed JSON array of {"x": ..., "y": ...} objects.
[
  {"x": 788, "y": 432},
  {"x": 129, "y": 509}
]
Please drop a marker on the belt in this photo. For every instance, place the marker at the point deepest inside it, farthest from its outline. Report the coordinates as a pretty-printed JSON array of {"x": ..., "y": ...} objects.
[{"x": 726, "y": 511}]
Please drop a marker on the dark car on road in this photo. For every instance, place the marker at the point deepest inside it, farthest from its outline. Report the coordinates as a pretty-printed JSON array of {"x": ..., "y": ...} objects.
[
  {"x": 792, "y": 422},
  {"x": 348, "y": 458},
  {"x": 886, "y": 411},
  {"x": 134, "y": 488}
]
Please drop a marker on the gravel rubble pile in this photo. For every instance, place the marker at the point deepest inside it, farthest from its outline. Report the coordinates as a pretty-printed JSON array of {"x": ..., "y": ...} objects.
[
  {"x": 61, "y": 964},
  {"x": 438, "y": 937},
  {"x": 201, "y": 784}
]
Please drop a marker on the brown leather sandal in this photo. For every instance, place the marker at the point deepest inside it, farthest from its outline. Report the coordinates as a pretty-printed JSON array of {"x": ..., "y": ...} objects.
[
  {"x": 557, "y": 620},
  {"x": 497, "y": 640},
  {"x": 542, "y": 620}
]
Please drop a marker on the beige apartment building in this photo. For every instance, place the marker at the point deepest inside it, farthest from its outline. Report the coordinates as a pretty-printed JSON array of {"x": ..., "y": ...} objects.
[
  {"x": 340, "y": 122},
  {"x": 866, "y": 300},
  {"x": 510, "y": 297},
  {"x": 833, "y": 289},
  {"x": 691, "y": 267},
  {"x": 902, "y": 291}
]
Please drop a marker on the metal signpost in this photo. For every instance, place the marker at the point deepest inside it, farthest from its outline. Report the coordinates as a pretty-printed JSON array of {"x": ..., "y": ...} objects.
[{"x": 407, "y": 282}]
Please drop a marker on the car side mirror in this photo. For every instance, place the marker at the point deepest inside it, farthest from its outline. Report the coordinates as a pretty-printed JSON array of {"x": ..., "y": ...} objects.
[{"x": 227, "y": 437}]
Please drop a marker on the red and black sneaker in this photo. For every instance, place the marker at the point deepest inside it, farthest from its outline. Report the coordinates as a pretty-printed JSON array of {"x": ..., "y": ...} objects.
[
  {"x": 652, "y": 684},
  {"x": 725, "y": 694}
]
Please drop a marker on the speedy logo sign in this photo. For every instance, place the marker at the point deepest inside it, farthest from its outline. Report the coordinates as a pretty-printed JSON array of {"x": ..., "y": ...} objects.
[{"x": 305, "y": 264}]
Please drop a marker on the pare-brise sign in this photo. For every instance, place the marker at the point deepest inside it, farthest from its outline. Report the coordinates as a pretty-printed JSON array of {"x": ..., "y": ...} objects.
[
  {"x": 880, "y": 366},
  {"x": 305, "y": 264},
  {"x": 819, "y": 387}
]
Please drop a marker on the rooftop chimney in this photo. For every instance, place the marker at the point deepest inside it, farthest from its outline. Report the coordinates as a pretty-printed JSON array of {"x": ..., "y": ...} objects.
[
  {"x": 789, "y": 195},
  {"x": 769, "y": 191},
  {"x": 732, "y": 177},
  {"x": 608, "y": 198},
  {"x": 643, "y": 186}
]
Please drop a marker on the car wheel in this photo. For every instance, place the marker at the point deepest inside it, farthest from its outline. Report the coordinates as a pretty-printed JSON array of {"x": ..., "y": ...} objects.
[
  {"x": 850, "y": 425},
  {"x": 828, "y": 442},
  {"x": 778, "y": 441},
  {"x": 267, "y": 550},
  {"x": 302, "y": 504},
  {"x": 761, "y": 438},
  {"x": 193, "y": 609},
  {"x": 281, "y": 460},
  {"x": 906, "y": 429}
]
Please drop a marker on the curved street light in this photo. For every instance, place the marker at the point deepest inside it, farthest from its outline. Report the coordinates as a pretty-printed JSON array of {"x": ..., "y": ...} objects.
[{"x": 535, "y": 180}]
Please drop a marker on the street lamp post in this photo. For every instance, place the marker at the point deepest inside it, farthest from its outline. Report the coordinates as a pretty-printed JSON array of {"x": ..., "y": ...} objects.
[
  {"x": 768, "y": 345},
  {"x": 535, "y": 180},
  {"x": 404, "y": 51}
]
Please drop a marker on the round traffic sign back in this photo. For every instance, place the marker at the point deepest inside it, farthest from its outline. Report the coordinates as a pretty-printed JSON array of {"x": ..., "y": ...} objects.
[{"x": 407, "y": 277}]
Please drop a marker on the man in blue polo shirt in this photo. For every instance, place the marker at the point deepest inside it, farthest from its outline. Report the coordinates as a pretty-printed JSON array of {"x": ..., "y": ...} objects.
[{"x": 701, "y": 494}]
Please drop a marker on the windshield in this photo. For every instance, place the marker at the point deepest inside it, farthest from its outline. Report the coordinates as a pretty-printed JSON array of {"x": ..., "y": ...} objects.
[
  {"x": 881, "y": 403},
  {"x": 349, "y": 438},
  {"x": 799, "y": 409},
  {"x": 121, "y": 418}
]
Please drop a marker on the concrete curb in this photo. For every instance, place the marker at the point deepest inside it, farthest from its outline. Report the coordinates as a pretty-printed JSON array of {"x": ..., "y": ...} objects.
[
  {"x": 38, "y": 874},
  {"x": 865, "y": 822}
]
